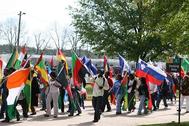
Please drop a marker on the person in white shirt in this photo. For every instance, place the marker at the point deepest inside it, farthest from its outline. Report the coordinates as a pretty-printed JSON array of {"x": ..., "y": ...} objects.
[
  {"x": 53, "y": 94},
  {"x": 100, "y": 84}
]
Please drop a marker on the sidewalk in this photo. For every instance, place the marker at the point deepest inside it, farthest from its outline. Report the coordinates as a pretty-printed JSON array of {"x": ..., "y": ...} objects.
[{"x": 107, "y": 118}]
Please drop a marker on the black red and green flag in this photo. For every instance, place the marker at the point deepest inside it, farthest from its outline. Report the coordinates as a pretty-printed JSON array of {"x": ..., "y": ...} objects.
[{"x": 78, "y": 70}]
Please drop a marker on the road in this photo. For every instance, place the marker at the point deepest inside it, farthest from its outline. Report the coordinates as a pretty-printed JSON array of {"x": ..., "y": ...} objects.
[{"x": 107, "y": 118}]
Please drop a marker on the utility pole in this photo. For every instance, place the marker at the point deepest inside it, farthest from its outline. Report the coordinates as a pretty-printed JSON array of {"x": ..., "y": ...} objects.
[{"x": 19, "y": 25}]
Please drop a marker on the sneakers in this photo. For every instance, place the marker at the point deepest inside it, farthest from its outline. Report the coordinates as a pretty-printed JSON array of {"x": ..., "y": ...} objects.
[
  {"x": 18, "y": 119},
  {"x": 5, "y": 121},
  {"x": 95, "y": 121},
  {"x": 55, "y": 116},
  {"x": 33, "y": 113},
  {"x": 118, "y": 113},
  {"x": 1, "y": 117},
  {"x": 70, "y": 115},
  {"x": 46, "y": 115},
  {"x": 78, "y": 113}
]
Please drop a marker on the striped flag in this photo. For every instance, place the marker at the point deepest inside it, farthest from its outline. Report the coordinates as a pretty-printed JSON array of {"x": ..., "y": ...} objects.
[
  {"x": 61, "y": 57},
  {"x": 78, "y": 70},
  {"x": 62, "y": 79},
  {"x": 27, "y": 88},
  {"x": 18, "y": 62},
  {"x": 15, "y": 84},
  {"x": 40, "y": 67},
  {"x": 12, "y": 59},
  {"x": 124, "y": 65},
  {"x": 91, "y": 68}
]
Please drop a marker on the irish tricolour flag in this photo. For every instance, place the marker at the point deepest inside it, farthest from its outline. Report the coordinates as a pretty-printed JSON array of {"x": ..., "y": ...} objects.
[{"x": 15, "y": 84}]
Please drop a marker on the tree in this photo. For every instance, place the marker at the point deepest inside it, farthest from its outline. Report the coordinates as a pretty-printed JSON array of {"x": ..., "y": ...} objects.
[
  {"x": 74, "y": 41},
  {"x": 133, "y": 28},
  {"x": 9, "y": 30},
  {"x": 59, "y": 36},
  {"x": 41, "y": 42}
]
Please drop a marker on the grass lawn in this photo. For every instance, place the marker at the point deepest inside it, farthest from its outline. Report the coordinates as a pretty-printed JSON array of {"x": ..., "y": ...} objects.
[{"x": 169, "y": 124}]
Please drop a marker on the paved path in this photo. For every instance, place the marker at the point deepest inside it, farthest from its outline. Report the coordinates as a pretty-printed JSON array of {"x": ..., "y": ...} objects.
[{"x": 107, "y": 119}]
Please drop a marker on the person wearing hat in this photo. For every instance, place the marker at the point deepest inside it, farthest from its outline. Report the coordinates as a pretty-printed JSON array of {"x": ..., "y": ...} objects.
[{"x": 52, "y": 94}]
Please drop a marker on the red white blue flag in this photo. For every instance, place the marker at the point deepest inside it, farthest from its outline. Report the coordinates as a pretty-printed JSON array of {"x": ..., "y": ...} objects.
[{"x": 153, "y": 74}]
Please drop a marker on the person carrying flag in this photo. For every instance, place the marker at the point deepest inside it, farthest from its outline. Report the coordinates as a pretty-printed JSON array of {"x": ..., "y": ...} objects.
[
  {"x": 131, "y": 92},
  {"x": 143, "y": 96},
  {"x": 100, "y": 84},
  {"x": 52, "y": 95}
]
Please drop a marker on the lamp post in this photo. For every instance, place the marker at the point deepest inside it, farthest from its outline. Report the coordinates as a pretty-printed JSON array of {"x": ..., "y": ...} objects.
[{"x": 19, "y": 25}]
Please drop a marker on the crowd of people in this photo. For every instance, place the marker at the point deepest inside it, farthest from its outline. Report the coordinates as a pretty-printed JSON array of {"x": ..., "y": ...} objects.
[{"x": 123, "y": 90}]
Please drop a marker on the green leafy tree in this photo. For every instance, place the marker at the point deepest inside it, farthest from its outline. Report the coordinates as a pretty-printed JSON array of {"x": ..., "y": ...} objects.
[{"x": 134, "y": 28}]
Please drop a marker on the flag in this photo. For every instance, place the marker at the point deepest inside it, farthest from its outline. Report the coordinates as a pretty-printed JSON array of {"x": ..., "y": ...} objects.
[
  {"x": 40, "y": 67},
  {"x": 27, "y": 88},
  {"x": 124, "y": 65},
  {"x": 1, "y": 69},
  {"x": 91, "y": 68},
  {"x": 106, "y": 67},
  {"x": 62, "y": 79},
  {"x": 61, "y": 57},
  {"x": 154, "y": 74},
  {"x": 78, "y": 70},
  {"x": 185, "y": 65},
  {"x": 51, "y": 62},
  {"x": 15, "y": 84},
  {"x": 12, "y": 59},
  {"x": 18, "y": 62}
]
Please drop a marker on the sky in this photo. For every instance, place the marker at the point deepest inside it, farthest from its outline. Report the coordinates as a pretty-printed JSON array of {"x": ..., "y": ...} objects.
[{"x": 40, "y": 14}]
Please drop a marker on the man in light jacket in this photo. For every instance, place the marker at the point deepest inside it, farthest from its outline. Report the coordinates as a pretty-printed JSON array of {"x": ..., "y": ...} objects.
[{"x": 100, "y": 84}]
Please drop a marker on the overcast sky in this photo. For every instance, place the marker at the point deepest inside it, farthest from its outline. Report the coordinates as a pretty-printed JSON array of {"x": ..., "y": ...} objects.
[{"x": 39, "y": 13}]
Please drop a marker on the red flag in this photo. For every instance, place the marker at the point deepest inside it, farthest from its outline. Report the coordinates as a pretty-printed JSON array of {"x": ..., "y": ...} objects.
[
  {"x": 150, "y": 98},
  {"x": 51, "y": 62}
]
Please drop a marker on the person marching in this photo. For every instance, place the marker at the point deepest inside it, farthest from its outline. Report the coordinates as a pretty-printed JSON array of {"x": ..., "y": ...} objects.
[
  {"x": 131, "y": 92},
  {"x": 106, "y": 93},
  {"x": 100, "y": 84},
  {"x": 52, "y": 95},
  {"x": 116, "y": 89},
  {"x": 35, "y": 91},
  {"x": 143, "y": 96}
]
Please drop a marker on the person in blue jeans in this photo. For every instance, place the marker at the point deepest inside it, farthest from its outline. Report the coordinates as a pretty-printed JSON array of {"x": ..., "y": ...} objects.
[
  {"x": 143, "y": 95},
  {"x": 116, "y": 89}
]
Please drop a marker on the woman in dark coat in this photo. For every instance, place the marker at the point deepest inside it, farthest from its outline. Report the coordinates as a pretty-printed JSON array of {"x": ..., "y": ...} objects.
[{"x": 34, "y": 94}]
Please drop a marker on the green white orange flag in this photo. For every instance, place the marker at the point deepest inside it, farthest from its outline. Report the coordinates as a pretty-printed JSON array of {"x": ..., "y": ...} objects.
[
  {"x": 18, "y": 62},
  {"x": 41, "y": 68},
  {"x": 15, "y": 84},
  {"x": 12, "y": 59},
  {"x": 61, "y": 57}
]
